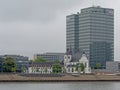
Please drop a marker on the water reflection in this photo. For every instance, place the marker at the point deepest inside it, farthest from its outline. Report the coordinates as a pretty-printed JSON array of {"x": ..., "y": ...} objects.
[{"x": 61, "y": 86}]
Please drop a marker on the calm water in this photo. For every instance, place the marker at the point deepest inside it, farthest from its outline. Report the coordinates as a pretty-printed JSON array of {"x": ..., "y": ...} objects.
[{"x": 61, "y": 86}]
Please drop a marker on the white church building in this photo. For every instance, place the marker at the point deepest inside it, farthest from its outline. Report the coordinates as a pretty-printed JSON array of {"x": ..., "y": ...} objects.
[{"x": 70, "y": 63}]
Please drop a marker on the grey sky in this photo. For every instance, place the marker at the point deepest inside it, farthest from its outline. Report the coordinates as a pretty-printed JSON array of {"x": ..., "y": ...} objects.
[{"x": 35, "y": 26}]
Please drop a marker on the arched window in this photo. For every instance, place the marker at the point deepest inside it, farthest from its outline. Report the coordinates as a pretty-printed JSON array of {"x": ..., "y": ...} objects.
[
  {"x": 68, "y": 69},
  {"x": 85, "y": 64},
  {"x": 72, "y": 69}
]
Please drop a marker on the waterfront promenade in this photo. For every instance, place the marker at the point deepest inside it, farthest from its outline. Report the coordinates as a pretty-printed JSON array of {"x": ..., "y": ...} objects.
[{"x": 66, "y": 78}]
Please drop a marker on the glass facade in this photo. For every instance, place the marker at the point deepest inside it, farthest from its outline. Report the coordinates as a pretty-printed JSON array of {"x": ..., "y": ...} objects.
[
  {"x": 51, "y": 56},
  {"x": 95, "y": 34},
  {"x": 72, "y": 32},
  {"x": 21, "y": 62}
]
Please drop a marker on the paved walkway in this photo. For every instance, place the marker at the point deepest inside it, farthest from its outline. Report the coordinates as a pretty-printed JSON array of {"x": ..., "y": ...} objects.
[{"x": 16, "y": 77}]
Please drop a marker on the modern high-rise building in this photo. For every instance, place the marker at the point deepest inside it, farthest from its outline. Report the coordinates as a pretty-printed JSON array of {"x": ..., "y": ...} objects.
[{"x": 92, "y": 31}]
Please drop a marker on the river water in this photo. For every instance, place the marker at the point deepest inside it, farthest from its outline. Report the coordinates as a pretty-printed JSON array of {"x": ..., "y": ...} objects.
[{"x": 61, "y": 86}]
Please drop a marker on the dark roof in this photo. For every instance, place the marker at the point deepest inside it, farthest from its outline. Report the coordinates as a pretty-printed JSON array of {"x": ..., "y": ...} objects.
[
  {"x": 75, "y": 56},
  {"x": 71, "y": 65},
  {"x": 43, "y": 64}
]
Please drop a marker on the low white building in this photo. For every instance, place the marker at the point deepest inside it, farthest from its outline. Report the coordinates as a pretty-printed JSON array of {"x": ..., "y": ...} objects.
[
  {"x": 40, "y": 68},
  {"x": 70, "y": 64}
]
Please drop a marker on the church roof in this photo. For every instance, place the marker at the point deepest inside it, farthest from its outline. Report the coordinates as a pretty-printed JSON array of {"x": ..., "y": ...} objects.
[
  {"x": 76, "y": 56},
  {"x": 83, "y": 58},
  {"x": 79, "y": 57}
]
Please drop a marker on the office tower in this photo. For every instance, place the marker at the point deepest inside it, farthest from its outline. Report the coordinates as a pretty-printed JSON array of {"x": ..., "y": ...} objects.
[{"x": 93, "y": 32}]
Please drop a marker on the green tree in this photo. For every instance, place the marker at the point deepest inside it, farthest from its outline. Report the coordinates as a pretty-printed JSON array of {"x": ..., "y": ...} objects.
[
  {"x": 64, "y": 70},
  {"x": 24, "y": 69},
  {"x": 9, "y": 65},
  {"x": 56, "y": 61},
  {"x": 39, "y": 59},
  {"x": 80, "y": 67},
  {"x": 30, "y": 61},
  {"x": 46, "y": 70},
  {"x": 57, "y": 68},
  {"x": 98, "y": 65},
  {"x": 77, "y": 66}
]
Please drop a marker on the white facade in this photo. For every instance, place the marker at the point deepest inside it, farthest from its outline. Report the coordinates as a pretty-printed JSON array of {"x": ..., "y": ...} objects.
[
  {"x": 71, "y": 66},
  {"x": 40, "y": 68},
  {"x": 85, "y": 62}
]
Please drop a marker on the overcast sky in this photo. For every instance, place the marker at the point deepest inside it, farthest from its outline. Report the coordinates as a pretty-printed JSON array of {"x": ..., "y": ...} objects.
[{"x": 28, "y": 27}]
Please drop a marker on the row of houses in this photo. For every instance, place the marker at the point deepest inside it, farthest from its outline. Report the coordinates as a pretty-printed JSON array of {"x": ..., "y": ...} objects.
[
  {"x": 23, "y": 61},
  {"x": 69, "y": 64},
  {"x": 41, "y": 68}
]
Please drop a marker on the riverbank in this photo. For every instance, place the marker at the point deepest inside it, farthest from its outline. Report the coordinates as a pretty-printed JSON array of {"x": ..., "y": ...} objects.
[{"x": 66, "y": 78}]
